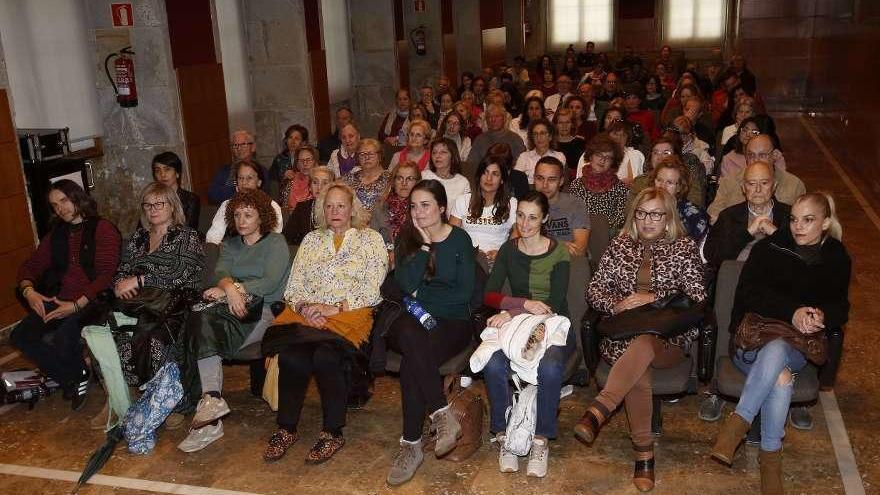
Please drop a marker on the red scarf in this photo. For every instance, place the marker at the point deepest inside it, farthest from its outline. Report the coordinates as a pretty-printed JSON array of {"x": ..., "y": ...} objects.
[
  {"x": 397, "y": 208},
  {"x": 599, "y": 183}
]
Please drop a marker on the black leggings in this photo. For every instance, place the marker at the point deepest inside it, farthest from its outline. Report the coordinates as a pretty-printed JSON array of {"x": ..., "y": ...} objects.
[
  {"x": 296, "y": 365},
  {"x": 423, "y": 352}
]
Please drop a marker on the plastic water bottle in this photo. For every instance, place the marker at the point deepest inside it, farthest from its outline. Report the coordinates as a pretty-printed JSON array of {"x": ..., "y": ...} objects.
[{"x": 419, "y": 313}]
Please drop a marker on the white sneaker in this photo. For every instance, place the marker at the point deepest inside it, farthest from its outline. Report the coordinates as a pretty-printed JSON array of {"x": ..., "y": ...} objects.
[
  {"x": 208, "y": 410},
  {"x": 200, "y": 438},
  {"x": 508, "y": 462},
  {"x": 538, "y": 457}
]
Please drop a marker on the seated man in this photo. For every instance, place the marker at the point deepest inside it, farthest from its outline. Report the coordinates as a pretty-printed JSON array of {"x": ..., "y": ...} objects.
[
  {"x": 497, "y": 132},
  {"x": 332, "y": 142},
  {"x": 73, "y": 263},
  {"x": 243, "y": 150},
  {"x": 568, "y": 221},
  {"x": 730, "y": 192},
  {"x": 246, "y": 178}
]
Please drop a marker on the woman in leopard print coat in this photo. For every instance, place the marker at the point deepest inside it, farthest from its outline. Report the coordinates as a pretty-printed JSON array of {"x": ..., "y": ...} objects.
[{"x": 652, "y": 258}]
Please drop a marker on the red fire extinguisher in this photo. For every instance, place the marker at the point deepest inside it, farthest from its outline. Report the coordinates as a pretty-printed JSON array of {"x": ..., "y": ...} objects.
[
  {"x": 419, "y": 38},
  {"x": 123, "y": 83}
]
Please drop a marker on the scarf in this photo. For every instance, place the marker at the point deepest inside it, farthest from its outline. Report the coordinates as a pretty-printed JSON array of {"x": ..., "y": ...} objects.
[
  {"x": 397, "y": 208},
  {"x": 599, "y": 183}
]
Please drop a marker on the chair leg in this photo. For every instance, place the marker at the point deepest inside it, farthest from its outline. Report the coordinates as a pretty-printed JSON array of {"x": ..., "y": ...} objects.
[{"x": 657, "y": 416}]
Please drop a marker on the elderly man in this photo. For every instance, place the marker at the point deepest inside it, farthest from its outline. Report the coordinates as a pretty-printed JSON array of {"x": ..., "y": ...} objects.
[
  {"x": 332, "y": 142},
  {"x": 730, "y": 192},
  {"x": 243, "y": 150},
  {"x": 739, "y": 226},
  {"x": 556, "y": 101},
  {"x": 568, "y": 222},
  {"x": 610, "y": 87},
  {"x": 496, "y": 132}
]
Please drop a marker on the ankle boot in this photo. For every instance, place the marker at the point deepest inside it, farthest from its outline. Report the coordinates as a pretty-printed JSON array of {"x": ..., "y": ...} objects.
[
  {"x": 448, "y": 431},
  {"x": 643, "y": 471},
  {"x": 771, "y": 472},
  {"x": 729, "y": 438},
  {"x": 587, "y": 428}
]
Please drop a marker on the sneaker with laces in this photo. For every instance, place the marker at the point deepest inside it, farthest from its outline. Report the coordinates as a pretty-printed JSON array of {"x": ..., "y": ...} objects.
[
  {"x": 447, "y": 430},
  {"x": 326, "y": 446},
  {"x": 508, "y": 462},
  {"x": 199, "y": 438},
  {"x": 538, "y": 457},
  {"x": 711, "y": 408},
  {"x": 406, "y": 462},
  {"x": 279, "y": 443},
  {"x": 208, "y": 410}
]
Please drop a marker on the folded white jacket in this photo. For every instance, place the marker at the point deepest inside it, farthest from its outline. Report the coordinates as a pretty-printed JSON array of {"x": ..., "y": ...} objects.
[{"x": 512, "y": 337}]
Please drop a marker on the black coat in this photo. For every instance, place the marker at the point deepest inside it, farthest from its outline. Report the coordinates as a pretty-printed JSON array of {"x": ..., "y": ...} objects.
[
  {"x": 192, "y": 208},
  {"x": 730, "y": 233},
  {"x": 775, "y": 281}
]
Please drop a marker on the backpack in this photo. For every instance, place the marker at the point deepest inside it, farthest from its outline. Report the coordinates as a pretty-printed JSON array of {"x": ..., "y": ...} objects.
[{"x": 521, "y": 419}]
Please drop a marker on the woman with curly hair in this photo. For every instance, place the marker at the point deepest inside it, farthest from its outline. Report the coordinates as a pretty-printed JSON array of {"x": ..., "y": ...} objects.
[
  {"x": 598, "y": 186},
  {"x": 249, "y": 277}
]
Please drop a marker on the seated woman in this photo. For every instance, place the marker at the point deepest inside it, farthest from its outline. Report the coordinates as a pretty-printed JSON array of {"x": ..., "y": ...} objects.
[
  {"x": 672, "y": 175},
  {"x": 570, "y": 144},
  {"x": 302, "y": 219},
  {"x": 297, "y": 189},
  {"x": 167, "y": 169},
  {"x": 537, "y": 268},
  {"x": 445, "y": 167},
  {"x": 284, "y": 165},
  {"x": 344, "y": 160},
  {"x": 246, "y": 177},
  {"x": 488, "y": 214},
  {"x": 371, "y": 180},
  {"x": 417, "y": 137},
  {"x": 436, "y": 271},
  {"x": 633, "y": 163},
  {"x": 735, "y": 159},
  {"x": 651, "y": 259},
  {"x": 451, "y": 128},
  {"x": 534, "y": 110},
  {"x": 73, "y": 263},
  {"x": 740, "y": 226},
  {"x": 389, "y": 215},
  {"x": 395, "y": 120},
  {"x": 742, "y": 109},
  {"x": 334, "y": 282},
  {"x": 541, "y": 136},
  {"x": 599, "y": 188},
  {"x": 669, "y": 144},
  {"x": 800, "y": 277},
  {"x": 250, "y": 276},
  {"x": 690, "y": 143}
]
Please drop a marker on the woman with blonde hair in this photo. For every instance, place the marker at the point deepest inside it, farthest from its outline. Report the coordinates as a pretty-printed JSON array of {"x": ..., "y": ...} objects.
[
  {"x": 651, "y": 259},
  {"x": 302, "y": 219},
  {"x": 333, "y": 284},
  {"x": 418, "y": 134},
  {"x": 797, "y": 277}
]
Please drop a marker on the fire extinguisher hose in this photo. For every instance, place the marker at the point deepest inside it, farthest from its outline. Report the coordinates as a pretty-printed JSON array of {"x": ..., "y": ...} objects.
[{"x": 107, "y": 71}]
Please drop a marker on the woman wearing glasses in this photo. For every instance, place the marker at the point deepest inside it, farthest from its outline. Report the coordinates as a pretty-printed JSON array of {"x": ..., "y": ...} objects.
[
  {"x": 296, "y": 188},
  {"x": 735, "y": 160},
  {"x": 246, "y": 177},
  {"x": 598, "y": 187},
  {"x": 371, "y": 180},
  {"x": 390, "y": 214},
  {"x": 417, "y": 137},
  {"x": 653, "y": 258},
  {"x": 540, "y": 140}
]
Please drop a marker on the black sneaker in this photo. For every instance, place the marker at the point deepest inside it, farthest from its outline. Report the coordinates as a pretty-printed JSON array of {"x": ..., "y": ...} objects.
[
  {"x": 80, "y": 391},
  {"x": 800, "y": 417}
]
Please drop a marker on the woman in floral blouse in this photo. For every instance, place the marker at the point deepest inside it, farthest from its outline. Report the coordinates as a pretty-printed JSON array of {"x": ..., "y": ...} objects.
[
  {"x": 599, "y": 188},
  {"x": 672, "y": 174},
  {"x": 333, "y": 284},
  {"x": 371, "y": 180}
]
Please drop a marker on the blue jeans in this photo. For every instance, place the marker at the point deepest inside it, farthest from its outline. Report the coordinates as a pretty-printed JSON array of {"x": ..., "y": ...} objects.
[
  {"x": 551, "y": 371},
  {"x": 762, "y": 393}
]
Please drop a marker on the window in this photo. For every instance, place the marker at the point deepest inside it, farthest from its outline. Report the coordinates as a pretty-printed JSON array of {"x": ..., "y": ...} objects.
[
  {"x": 694, "y": 21},
  {"x": 579, "y": 21}
]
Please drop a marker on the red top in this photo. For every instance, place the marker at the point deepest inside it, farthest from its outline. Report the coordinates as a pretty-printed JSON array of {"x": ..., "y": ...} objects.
[
  {"x": 422, "y": 161},
  {"x": 75, "y": 282},
  {"x": 645, "y": 118}
]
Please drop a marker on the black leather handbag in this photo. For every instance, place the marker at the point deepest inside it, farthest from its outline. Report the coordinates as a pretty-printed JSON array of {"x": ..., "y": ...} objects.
[{"x": 668, "y": 317}]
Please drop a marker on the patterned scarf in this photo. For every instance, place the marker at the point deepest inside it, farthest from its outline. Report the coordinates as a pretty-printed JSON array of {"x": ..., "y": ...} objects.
[
  {"x": 599, "y": 183},
  {"x": 397, "y": 208}
]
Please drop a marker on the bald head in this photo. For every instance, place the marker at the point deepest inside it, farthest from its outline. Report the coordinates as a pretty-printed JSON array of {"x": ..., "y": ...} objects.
[
  {"x": 759, "y": 183},
  {"x": 760, "y": 148}
]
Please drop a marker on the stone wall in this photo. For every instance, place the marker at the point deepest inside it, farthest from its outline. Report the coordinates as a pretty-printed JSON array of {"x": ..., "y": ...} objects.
[
  {"x": 468, "y": 37},
  {"x": 132, "y": 136},
  {"x": 424, "y": 68},
  {"x": 281, "y": 79},
  {"x": 374, "y": 63}
]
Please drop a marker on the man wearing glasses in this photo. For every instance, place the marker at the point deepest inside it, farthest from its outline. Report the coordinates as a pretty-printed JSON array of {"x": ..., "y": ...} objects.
[{"x": 243, "y": 151}]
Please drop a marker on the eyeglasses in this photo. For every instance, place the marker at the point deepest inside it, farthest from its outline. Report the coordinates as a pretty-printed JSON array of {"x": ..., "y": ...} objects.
[
  {"x": 758, "y": 156},
  {"x": 655, "y": 216},
  {"x": 306, "y": 160},
  {"x": 367, "y": 154},
  {"x": 671, "y": 129},
  {"x": 661, "y": 152},
  {"x": 157, "y": 206},
  {"x": 540, "y": 133},
  {"x": 236, "y": 146},
  {"x": 400, "y": 178},
  {"x": 753, "y": 132},
  {"x": 603, "y": 157}
]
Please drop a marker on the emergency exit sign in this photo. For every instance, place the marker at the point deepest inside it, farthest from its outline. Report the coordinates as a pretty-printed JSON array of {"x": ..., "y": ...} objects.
[{"x": 122, "y": 14}]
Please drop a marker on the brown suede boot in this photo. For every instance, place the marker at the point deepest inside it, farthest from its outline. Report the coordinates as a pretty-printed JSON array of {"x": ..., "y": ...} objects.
[
  {"x": 643, "y": 471},
  {"x": 587, "y": 428},
  {"x": 729, "y": 438},
  {"x": 771, "y": 472}
]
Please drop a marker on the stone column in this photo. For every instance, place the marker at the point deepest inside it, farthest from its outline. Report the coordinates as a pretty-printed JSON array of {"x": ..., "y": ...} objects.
[
  {"x": 424, "y": 68},
  {"x": 468, "y": 36},
  {"x": 280, "y": 72},
  {"x": 132, "y": 136},
  {"x": 375, "y": 63}
]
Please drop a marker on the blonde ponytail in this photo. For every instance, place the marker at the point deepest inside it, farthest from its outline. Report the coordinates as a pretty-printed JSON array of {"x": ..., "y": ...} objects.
[{"x": 826, "y": 201}]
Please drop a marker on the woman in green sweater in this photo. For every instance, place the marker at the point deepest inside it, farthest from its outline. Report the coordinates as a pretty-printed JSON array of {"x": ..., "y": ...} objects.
[
  {"x": 252, "y": 268},
  {"x": 435, "y": 271},
  {"x": 537, "y": 269}
]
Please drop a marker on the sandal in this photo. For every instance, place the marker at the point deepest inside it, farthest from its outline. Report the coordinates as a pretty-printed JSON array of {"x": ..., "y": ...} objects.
[
  {"x": 279, "y": 442},
  {"x": 326, "y": 446}
]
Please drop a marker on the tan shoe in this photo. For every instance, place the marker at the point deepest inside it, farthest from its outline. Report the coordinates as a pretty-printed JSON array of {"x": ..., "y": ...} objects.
[
  {"x": 174, "y": 421},
  {"x": 771, "y": 472},
  {"x": 643, "y": 470},
  {"x": 731, "y": 435}
]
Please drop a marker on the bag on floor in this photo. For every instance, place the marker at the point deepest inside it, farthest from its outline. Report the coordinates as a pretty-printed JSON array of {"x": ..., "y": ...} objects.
[
  {"x": 144, "y": 417},
  {"x": 521, "y": 419},
  {"x": 467, "y": 406}
]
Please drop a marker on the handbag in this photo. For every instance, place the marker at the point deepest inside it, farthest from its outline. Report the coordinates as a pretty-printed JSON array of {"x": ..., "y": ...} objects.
[
  {"x": 668, "y": 317},
  {"x": 467, "y": 406},
  {"x": 755, "y": 331}
]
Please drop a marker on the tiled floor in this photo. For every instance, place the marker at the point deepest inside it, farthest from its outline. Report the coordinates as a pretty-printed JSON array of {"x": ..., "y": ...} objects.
[{"x": 51, "y": 436}]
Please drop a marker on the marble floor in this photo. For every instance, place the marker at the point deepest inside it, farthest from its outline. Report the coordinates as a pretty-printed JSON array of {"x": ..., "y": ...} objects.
[{"x": 51, "y": 437}]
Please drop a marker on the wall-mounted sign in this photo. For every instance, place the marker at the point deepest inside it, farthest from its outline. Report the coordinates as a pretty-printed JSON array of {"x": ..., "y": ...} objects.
[
  {"x": 420, "y": 5},
  {"x": 122, "y": 14}
]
